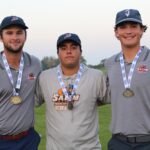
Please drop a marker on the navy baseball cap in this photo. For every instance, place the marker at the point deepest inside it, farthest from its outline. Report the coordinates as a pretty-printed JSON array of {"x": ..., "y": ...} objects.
[
  {"x": 12, "y": 20},
  {"x": 68, "y": 37},
  {"x": 128, "y": 15}
]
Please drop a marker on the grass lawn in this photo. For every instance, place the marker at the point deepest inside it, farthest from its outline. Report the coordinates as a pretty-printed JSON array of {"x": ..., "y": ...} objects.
[
  {"x": 104, "y": 121},
  {"x": 40, "y": 125}
]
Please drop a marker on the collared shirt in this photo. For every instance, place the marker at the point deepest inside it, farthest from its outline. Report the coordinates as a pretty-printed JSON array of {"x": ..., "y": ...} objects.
[
  {"x": 130, "y": 116},
  {"x": 17, "y": 118}
]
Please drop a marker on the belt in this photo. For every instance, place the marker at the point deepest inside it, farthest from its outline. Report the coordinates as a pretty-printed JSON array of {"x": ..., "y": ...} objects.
[
  {"x": 143, "y": 138},
  {"x": 14, "y": 137}
]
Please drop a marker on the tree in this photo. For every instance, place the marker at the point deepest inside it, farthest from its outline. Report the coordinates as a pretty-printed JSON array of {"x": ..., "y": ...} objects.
[
  {"x": 83, "y": 60},
  {"x": 49, "y": 62}
]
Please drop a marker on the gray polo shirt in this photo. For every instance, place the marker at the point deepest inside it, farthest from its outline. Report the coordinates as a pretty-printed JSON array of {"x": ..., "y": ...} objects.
[
  {"x": 17, "y": 118},
  {"x": 75, "y": 129},
  {"x": 130, "y": 116}
]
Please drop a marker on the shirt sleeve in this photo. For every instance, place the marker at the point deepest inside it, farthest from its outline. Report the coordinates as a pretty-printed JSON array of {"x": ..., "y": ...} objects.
[
  {"x": 104, "y": 90},
  {"x": 104, "y": 87},
  {"x": 39, "y": 98}
]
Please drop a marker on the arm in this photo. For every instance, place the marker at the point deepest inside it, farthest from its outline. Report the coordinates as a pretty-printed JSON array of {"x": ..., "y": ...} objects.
[
  {"x": 105, "y": 99},
  {"x": 39, "y": 99}
]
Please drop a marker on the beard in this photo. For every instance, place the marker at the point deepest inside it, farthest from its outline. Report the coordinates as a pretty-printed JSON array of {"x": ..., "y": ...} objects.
[
  {"x": 70, "y": 65},
  {"x": 12, "y": 50}
]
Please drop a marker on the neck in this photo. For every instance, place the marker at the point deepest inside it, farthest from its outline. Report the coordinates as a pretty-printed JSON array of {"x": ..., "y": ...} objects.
[
  {"x": 129, "y": 54},
  {"x": 13, "y": 59},
  {"x": 68, "y": 71}
]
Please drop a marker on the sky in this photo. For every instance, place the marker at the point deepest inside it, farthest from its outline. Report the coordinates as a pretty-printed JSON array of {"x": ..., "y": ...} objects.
[{"x": 92, "y": 20}]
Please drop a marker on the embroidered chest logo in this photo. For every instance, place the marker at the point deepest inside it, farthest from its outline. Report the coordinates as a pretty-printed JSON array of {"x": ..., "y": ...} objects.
[
  {"x": 31, "y": 76},
  {"x": 60, "y": 100},
  {"x": 142, "y": 69}
]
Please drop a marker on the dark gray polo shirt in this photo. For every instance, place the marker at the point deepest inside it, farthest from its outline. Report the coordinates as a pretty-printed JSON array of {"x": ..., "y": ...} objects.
[
  {"x": 17, "y": 118},
  {"x": 130, "y": 116}
]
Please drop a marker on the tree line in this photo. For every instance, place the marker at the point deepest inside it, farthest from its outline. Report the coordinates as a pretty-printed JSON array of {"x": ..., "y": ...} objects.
[{"x": 50, "y": 62}]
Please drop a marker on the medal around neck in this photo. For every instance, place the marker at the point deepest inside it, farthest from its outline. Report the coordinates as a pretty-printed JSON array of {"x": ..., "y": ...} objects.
[
  {"x": 127, "y": 79},
  {"x": 16, "y": 100},
  {"x": 70, "y": 105},
  {"x": 128, "y": 93},
  {"x": 75, "y": 85}
]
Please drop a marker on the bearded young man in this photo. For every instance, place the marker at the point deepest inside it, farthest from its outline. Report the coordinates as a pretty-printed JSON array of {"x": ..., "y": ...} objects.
[{"x": 18, "y": 72}]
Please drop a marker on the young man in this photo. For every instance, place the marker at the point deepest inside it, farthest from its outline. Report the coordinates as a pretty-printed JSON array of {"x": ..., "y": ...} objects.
[
  {"x": 129, "y": 84},
  {"x": 18, "y": 72},
  {"x": 71, "y": 91}
]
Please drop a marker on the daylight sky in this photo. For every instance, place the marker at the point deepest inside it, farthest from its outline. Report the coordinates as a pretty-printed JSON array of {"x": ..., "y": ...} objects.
[{"x": 92, "y": 20}]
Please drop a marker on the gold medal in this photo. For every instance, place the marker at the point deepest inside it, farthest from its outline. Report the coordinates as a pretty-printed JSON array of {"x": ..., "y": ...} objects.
[
  {"x": 128, "y": 93},
  {"x": 16, "y": 100}
]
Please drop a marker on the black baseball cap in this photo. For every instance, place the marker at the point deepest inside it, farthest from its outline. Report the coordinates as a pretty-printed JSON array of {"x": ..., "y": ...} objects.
[
  {"x": 12, "y": 20},
  {"x": 68, "y": 37},
  {"x": 128, "y": 15}
]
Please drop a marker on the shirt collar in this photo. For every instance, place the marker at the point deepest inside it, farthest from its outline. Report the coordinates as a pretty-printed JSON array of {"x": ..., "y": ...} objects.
[
  {"x": 27, "y": 60},
  {"x": 143, "y": 56}
]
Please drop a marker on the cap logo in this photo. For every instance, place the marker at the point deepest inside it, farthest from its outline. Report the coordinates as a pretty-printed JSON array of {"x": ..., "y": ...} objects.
[
  {"x": 14, "y": 18},
  {"x": 127, "y": 12},
  {"x": 67, "y": 35}
]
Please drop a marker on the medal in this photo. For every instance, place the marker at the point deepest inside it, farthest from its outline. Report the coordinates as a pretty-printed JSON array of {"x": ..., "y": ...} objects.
[
  {"x": 70, "y": 93},
  {"x": 128, "y": 93},
  {"x": 16, "y": 100},
  {"x": 70, "y": 105},
  {"x": 127, "y": 79}
]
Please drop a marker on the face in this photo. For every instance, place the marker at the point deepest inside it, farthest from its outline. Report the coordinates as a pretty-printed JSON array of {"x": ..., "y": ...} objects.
[
  {"x": 69, "y": 54},
  {"x": 129, "y": 34},
  {"x": 13, "y": 39}
]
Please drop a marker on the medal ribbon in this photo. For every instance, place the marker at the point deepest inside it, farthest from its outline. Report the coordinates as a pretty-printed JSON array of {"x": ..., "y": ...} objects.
[
  {"x": 127, "y": 81},
  {"x": 75, "y": 85},
  {"x": 7, "y": 68}
]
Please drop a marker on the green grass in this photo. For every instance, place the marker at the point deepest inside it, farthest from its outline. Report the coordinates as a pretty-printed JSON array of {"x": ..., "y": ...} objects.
[
  {"x": 104, "y": 121},
  {"x": 40, "y": 125}
]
